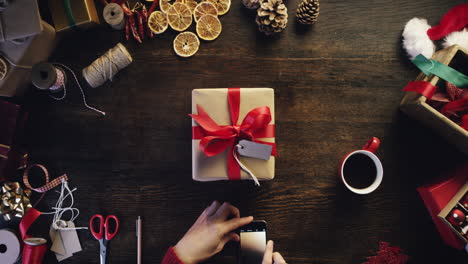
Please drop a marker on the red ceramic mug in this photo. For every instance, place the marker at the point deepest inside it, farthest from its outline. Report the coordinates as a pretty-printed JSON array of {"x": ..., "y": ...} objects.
[{"x": 363, "y": 161}]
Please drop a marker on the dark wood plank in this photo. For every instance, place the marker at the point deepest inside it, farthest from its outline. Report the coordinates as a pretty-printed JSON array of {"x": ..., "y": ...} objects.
[{"x": 336, "y": 84}]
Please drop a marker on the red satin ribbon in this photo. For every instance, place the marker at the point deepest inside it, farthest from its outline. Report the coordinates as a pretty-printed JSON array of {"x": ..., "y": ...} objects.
[
  {"x": 31, "y": 254},
  {"x": 421, "y": 87},
  {"x": 215, "y": 138}
]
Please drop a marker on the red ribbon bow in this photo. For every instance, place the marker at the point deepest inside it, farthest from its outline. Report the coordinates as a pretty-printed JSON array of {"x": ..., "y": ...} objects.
[{"x": 215, "y": 138}]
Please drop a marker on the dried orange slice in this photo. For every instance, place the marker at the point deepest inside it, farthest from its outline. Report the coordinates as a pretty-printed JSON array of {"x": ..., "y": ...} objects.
[
  {"x": 221, "y": 5},
  {"x": 179, "y": 16},
  {"x": 157, "y": 22},
  {"x": 164, "y": 5},
  {"x": 190, "y": 3},
  {"x": 204, "y": 8},
  {"x": 208, "y": 27},
  {"x": 3, "y": 68},
  {"x": 186, "y": 44}
]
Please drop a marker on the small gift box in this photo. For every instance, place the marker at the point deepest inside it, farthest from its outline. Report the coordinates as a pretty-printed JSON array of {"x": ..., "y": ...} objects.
[
  {"x": 73, "y": 13},
  {"x": 19, "y": 19},
  {"x": 12, "y": 121},
  {"x": 223, "y": 117}
]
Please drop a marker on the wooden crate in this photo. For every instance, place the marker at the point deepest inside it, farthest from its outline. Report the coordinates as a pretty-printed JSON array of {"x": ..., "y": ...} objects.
[{"x": 415, "y": 105}]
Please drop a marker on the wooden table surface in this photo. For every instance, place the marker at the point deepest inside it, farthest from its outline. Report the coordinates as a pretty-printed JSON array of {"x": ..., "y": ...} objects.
[{"x": 336, "y": 83}]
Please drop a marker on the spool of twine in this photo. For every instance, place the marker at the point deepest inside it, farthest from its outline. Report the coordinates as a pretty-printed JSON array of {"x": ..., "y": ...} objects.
[
  {"x": 105, "y": 67},
  {"x": 34, "y": 250},
  {"x": 114, "y": 16},
  {"x": 46, "y": 76}
]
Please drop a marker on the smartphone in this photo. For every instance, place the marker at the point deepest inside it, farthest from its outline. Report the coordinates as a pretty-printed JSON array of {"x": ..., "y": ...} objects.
[{"x": 252, "y": 242}]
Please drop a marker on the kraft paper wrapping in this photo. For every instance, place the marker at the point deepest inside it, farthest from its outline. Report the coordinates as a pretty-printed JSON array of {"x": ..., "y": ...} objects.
[{"x": 215, "y": 103}]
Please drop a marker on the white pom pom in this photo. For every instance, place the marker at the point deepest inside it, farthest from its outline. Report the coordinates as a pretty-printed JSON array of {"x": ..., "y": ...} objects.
[
  {"x": 415, "y": 39},
  {"x": 458, "y": 37}
]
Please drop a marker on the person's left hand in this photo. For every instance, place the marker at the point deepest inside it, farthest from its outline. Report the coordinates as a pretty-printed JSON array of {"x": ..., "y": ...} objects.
[{"x": 212, "y": 230}]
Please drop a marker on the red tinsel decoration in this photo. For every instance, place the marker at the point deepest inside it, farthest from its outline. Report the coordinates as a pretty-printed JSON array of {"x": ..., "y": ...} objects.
[{"x": 388, "y": 255}]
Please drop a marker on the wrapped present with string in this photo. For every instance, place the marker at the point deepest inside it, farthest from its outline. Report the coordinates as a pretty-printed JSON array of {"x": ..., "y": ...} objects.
[
  {"x": 15, "y": 201},
  {"x": 222, "y": 118},
  {"x": 12, "y": 121},
  {"x": 68, "y": 14}
]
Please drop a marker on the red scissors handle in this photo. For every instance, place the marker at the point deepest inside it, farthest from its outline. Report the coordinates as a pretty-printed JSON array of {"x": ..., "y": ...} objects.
[
  {"x": 97, "y": 235},
  {"x": 110, "y": 235}
]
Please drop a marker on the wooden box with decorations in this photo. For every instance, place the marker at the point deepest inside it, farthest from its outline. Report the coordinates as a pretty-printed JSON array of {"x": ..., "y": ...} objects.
[{"x": 418, "y": 107}]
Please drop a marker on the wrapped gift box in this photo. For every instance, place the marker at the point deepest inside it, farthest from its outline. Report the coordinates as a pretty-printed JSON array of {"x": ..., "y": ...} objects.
[
  {"x": 215, "y": 103},
  {"x": 73, "y": 13},
  {"x": 27, "y": 53},
  {"x": 416, "y": 106},
  {"x": 12, "y": 121},
  {"x": 19, "y": 20}
]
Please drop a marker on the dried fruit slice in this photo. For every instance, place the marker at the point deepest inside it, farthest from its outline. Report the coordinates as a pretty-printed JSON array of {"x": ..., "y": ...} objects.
[
  {"x": 179, "y": 16},
  {"x": 186, "y": 44},
  {"x": 221, "y": 5},
  {"x": 190, "y": 3},
  {"x": 164, "y": 5},
  {"x": 3, "y": 69},
  {"x": 209, "y": 27},
  {"x": 157, "y": 22},
  {"x": 204, "y": 8}
]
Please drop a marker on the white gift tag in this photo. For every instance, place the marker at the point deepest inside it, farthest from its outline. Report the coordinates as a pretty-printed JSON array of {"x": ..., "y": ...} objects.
[
  {"x": 254, "y": 150},
  {"x": 57, "y": 244}
]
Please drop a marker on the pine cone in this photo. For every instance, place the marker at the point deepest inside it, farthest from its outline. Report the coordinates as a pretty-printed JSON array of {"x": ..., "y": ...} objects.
[
  {"x": 251, "y": 4},
  {"x": 272, "y": 16},
  {"x": 308, "y": 11}
]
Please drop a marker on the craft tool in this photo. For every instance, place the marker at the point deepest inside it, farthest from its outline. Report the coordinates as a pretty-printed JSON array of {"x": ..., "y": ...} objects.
[
  {"x": 103, "y": 235},
  {"x": 138, "y": 234}
]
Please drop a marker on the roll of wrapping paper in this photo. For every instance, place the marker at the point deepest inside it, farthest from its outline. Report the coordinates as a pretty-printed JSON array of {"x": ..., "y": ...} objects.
[
  {"x": 114, "y": 16},
  {"x": 10, "y": 247}
]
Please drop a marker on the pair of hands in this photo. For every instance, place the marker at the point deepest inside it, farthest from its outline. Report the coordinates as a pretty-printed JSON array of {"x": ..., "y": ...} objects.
[{"x": 213, "y": 229}]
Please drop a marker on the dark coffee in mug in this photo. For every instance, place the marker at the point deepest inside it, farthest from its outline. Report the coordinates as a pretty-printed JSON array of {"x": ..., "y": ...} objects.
[{"x": 359, "y": 171}]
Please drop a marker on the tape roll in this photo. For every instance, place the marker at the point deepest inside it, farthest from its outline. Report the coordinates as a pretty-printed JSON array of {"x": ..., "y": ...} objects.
[
  {"x": 10, "y": 247},
  {"x": 114, "y": 16}
]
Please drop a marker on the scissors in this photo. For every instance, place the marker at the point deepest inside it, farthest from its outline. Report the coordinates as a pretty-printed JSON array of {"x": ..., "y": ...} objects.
[{"x": 103, "y": 236}]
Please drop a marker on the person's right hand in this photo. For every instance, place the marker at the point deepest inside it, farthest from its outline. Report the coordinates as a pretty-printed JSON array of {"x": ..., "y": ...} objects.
[
  {"x": 213, "y": 229},
  {"x": 272, "y": 258}
]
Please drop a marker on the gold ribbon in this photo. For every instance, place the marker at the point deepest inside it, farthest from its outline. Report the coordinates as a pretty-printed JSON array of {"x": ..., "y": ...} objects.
[{"x": 15, "y": 201}]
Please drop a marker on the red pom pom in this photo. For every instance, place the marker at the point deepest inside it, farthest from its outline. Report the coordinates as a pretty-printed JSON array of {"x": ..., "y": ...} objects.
[{"x": 457, "y": 217}]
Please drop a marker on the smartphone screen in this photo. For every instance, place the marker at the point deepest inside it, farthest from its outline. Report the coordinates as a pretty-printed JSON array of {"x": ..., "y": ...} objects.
[{"x": 252, "y": 242}]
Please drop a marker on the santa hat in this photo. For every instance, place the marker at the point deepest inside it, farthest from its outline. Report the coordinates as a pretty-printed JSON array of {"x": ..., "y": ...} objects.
[{"x": 418, "y": 34}]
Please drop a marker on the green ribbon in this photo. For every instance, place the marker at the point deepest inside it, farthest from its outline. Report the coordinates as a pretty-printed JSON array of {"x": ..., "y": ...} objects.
[
  {"x": 69, "y": 13},
  {"x": 430, "y": 66}
]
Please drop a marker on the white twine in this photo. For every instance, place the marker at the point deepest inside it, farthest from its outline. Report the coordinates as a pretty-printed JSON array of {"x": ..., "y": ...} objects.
[
  {"x": 251, "y": 174},
  {"x": 58, "y": 223},
  {"x": 79, "y": 86},
  {"x": 105, "y": 67}
]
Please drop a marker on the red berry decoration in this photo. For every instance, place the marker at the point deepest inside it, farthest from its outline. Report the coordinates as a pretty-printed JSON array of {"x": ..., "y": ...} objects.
[{"x": 457, "y": 217}]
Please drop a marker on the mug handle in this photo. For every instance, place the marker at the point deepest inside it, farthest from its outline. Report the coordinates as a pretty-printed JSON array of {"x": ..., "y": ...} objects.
[{"x": 372, "y": 145}]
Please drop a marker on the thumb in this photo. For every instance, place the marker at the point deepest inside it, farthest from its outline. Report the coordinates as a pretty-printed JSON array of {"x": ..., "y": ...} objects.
[{"x": 229, "y": 237}]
